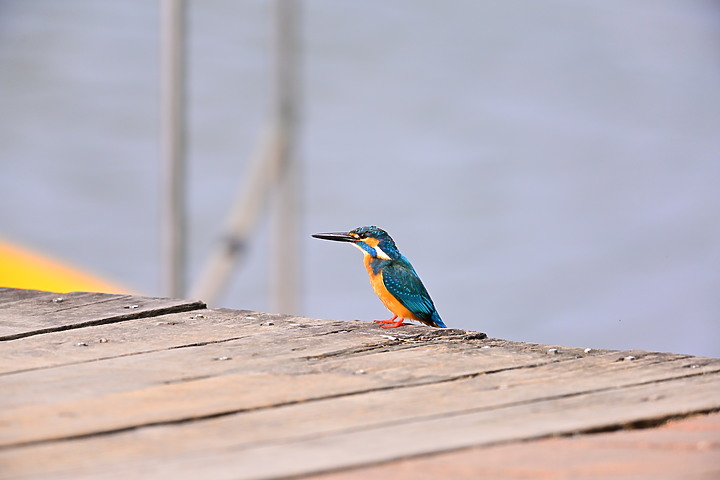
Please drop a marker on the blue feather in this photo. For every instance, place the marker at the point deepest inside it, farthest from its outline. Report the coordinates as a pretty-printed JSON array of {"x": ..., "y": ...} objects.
[{"x": 403, "y": 283}]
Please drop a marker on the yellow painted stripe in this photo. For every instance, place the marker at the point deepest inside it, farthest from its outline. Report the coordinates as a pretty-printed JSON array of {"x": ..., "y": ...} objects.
[{"x": 22, "y": 268}]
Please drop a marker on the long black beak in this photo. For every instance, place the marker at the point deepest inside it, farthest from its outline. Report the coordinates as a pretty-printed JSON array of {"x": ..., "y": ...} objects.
[{"x": 338, "y": 237}]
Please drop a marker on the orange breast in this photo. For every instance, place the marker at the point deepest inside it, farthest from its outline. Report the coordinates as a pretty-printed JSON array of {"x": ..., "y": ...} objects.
[{"x": 386, "y": 297}]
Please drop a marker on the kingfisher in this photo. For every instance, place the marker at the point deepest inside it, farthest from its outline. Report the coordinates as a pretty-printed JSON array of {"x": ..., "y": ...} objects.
[{"x": 392, "y": 277}]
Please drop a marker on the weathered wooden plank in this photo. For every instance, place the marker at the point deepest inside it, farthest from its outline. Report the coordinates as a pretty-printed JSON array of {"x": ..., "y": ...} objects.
[
  {"x": 143, "y": 335},
  {"x": 81, "y": 391},
  {"x": 246, "y": 395},
  {"x": 519, "y": 422},
  {"x": 285, "y": 339},
  {"x": 52, "y": 312},
  {"x": 686, "y": 449},
  {"x": 189, "y": 450},
  {"x": 14, "y": 294},
  {"x": 268, "y": 385},
  {"x": 268, "y": 351}
]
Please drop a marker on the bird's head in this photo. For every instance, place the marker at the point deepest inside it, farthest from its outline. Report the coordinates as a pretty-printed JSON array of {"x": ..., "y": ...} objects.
[{"x": 371, "y": 240}]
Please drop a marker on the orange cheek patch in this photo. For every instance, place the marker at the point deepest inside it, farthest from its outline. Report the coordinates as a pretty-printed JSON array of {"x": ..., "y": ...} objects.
[{"x": 373, "y": 242}]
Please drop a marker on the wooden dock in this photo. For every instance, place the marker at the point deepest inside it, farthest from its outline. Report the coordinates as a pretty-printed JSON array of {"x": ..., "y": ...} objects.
[{"x": 116, "y": 386}]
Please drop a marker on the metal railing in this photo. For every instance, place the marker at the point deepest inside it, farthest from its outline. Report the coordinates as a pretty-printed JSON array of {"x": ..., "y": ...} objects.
[{"x": 273, "y": 171}]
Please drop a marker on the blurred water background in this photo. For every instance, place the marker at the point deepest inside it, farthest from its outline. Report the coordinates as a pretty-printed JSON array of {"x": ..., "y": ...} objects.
[{"x": 550, "y": 167}]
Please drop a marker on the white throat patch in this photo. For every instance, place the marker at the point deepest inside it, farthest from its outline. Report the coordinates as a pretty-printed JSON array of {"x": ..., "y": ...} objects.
[{"x": 380, "y": 254}]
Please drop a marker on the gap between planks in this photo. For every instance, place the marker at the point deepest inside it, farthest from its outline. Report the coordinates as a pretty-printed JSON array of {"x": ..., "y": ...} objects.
[
  {"x": 321, "y": 451},
  {"x": 193, "y": 417},
  {"x": 200, "y": 418},
  {"x": 27, "y": 317}
]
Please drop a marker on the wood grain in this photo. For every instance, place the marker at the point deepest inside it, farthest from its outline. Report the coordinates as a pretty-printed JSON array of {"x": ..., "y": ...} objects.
[
  {"x": 51, "y": 312},
  {"x": 213, "y": 452},
  {"x": 14, "y": 294},
  {"x": 238, "y": 394}
]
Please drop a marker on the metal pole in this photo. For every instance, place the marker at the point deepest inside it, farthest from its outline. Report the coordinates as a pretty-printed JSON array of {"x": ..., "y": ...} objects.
[
  {"x": 284, "y": 275},
  {"x": 173, "y": 145}
]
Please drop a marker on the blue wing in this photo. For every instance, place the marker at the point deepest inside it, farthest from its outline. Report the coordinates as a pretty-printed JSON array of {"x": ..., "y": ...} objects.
[{"x": 403, "y": 283}]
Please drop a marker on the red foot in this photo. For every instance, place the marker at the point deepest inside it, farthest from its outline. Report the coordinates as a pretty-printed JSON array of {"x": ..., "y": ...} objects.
[
  {"x": 386, "y": 321},
  {"x": 395, "y": 325}
]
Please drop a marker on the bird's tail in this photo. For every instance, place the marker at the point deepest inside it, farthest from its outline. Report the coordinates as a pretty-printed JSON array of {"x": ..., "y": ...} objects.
[{"x": 437, "y": 320}]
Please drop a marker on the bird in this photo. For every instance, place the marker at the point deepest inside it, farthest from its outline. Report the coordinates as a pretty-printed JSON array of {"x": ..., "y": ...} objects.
[{"x": 392, "y": 277}]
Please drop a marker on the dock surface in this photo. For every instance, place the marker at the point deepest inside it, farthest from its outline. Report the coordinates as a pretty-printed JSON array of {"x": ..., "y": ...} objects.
[{"x": 117, "y": 386}]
